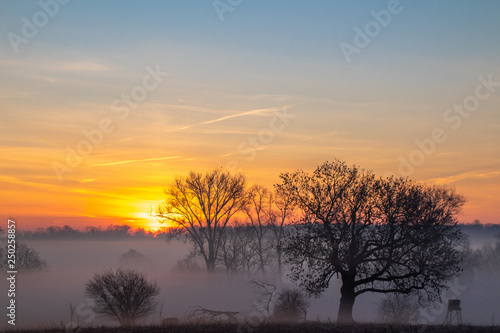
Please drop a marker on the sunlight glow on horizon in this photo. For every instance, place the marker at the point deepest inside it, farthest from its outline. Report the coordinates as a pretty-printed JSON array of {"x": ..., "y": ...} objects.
[{"x": 264, "y": 98}]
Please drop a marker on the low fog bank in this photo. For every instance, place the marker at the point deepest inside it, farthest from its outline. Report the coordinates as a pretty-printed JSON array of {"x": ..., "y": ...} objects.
[
  {"x": 43, "y": 299},
  {"x": 480, "y": 234}
]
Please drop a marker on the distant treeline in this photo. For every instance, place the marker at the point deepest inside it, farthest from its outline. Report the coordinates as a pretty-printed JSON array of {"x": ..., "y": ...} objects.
[
  {"x": 111, "y": 232},
  {"x": 127, "y": 232},
  {"x": 479, "y": 228}
]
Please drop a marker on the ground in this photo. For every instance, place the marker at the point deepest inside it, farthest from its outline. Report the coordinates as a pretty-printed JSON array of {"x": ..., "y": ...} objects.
[{"x": 280, "y": 328}]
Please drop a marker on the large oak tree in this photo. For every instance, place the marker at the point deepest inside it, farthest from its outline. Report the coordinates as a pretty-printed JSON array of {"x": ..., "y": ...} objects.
[{"x": 385, "y": 235}]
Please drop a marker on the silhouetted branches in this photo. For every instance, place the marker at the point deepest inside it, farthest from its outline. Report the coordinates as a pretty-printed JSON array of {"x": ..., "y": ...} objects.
[
  {"x": 203, "y": 205},
  {"x": 490, "y": 255},
  {"x": 124, "y": 295},
  {"x": 25, "y": 259},
  {"x": 200, "y": 314},
  {"x": 290, "y": 306},
  {"x": 399, "y": 309},
  {"x": 386, "y": 235}
]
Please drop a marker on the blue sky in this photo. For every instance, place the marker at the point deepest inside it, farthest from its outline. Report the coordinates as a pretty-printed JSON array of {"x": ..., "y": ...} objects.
[
  {"x": 263, "y": 55},
  {"x": 450, "y": 29}
]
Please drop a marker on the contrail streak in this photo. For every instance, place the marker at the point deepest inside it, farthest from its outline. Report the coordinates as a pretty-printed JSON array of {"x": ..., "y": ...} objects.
[{"x": 133, "y": 161}]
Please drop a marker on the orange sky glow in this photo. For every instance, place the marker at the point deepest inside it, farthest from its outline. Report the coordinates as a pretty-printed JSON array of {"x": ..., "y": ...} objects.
[{"x": 96, "y": 120}]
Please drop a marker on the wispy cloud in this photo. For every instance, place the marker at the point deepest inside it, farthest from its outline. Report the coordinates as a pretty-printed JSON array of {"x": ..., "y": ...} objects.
[
  {"x": 78, "y": 66},
  {"x": 88, "y": 180},
  {"x": 235, "y": 115},
  {"x": 477, "y": 174},
  {"x": 56, "y": 65},
  {"x": 248, "y": 113},
  {"x": 135, "y": 161},
  {"x": 246, "y": 151}
]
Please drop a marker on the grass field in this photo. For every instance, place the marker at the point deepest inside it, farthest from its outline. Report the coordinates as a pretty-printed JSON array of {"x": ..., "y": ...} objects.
[{"x": 279, "y": 328}]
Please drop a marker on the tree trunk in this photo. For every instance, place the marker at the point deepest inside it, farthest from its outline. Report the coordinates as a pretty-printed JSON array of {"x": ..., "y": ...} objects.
[
  {"x": 126, "y": 321},
  {"x": 210, "y": 264},
  {"x": 211, "y": 256},
  {"x": 261, "y": 257},
  {"x": 280, "y": 274},
  {"x": 346, "y": 299}
]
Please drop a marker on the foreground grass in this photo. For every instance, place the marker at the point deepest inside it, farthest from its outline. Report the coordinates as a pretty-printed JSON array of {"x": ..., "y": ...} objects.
[{"x": 273, "y": 327}]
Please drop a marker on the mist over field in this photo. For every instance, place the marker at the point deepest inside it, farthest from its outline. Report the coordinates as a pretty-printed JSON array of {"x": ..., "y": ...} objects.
[{"x": 44, "y": 298}]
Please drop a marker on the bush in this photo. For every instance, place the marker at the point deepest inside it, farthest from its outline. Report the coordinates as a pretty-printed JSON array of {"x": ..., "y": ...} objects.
[
  {"x": 27, "y": 259},
  {"x": 133, "y": 259},
  {"x": 399, "y": 309},
  {"x": 123, "y": 295},
  {"x": 187, "y": 265},
  {"x": 290, "y": 306},
  {"x": 491, "y": 255}
]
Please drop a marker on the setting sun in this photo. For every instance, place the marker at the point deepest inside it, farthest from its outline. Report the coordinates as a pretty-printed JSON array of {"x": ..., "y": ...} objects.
[{"x": 147, "y": 222}]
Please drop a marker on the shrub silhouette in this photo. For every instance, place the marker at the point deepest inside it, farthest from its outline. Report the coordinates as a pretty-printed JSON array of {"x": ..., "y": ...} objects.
[
  {"x": 124, "y": 295},
  {"x": 399, "y": 309},
  {"x": 27, "y": 259},
  {"x": 290, "y": 306}
]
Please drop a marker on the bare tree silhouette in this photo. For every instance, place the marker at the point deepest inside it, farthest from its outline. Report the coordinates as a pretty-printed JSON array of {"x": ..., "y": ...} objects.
[
  {"x": 387, "y": 235},
  {"x": 264, "y": 296},
  {"x": 257, "y": 211},
  {"x": 187, "y": 264},
  {"x": 202, "y": 205},
  {"x": 124, "y": 295},
  {"x": 26, "y": 258},
  {"x": 490, "y": 255},
  {"x": 399, "y": 309},
  {"x": 281, "y": 210},
  {"x": 235, "y": 253},
  {"x": 290, "y": 306}
]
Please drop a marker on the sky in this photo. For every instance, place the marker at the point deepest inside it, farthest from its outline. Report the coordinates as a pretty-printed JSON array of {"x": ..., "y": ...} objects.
[{"x": 104, "y": 103}]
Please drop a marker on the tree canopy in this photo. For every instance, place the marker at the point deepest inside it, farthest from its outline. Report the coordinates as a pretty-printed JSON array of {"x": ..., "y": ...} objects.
[
  {"x": 122, "y": 294},
  {"x": 26, "y": 258},
  {"x": 386, "y": 235},
  {"x": 203, "y": 205}
]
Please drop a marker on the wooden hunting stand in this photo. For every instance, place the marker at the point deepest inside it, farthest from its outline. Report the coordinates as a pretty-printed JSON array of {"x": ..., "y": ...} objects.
[{"x": 454, "y": 310}]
